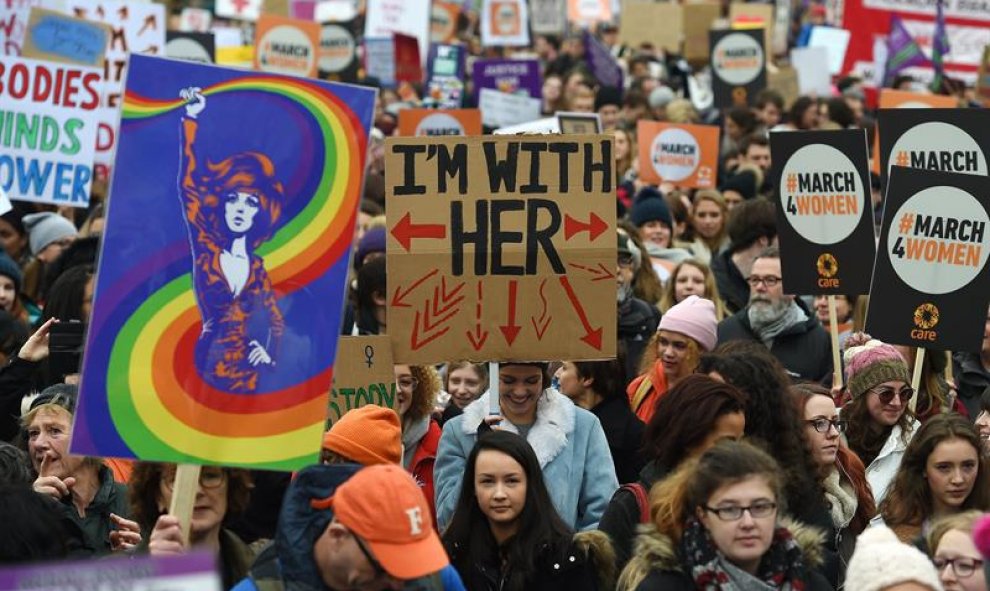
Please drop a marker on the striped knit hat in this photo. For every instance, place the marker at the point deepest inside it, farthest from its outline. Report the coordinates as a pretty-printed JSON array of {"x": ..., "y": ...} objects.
[{"x": 872, "y": 363}]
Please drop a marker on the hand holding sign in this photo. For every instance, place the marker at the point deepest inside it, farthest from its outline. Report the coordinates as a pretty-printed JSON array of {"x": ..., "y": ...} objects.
[{"x": 166, "y": 539}]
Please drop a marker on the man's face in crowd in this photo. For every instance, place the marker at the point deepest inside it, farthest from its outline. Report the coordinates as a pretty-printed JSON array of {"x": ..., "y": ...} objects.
[
  {"x": 583, "y": 104},
  {"x": 760, "y": 156},
  {"x": 766, "y": 299},
  {"x": 769, "y": 115},
  {"x": 609, "y": 115},
  {"x": 343, "y": 564}
]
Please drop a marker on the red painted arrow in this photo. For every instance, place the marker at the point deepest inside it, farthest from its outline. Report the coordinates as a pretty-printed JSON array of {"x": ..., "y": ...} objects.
[
  {"x": 150, "y": 22},
  {"x": 398, "y": 300},
  {"x": 478, "y": 337},
  {"x": 601, "y": 273},
  {"x": 240, "y": 5},
  {"x": 428, "y": 324},
  {"x": 510, "y": 329},
  {"x": 541, "y": 330},
  {"x": 415, "y": 343},
  {"x": 595, "y": 226},
  {"x": 405, "y": 231},
  {"x": 593, "y": 336},
  {"x": 440, "y": 295}
]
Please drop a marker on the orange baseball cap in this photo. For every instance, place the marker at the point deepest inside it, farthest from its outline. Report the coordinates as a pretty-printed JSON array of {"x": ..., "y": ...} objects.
[{"x": 385, "y": 507}]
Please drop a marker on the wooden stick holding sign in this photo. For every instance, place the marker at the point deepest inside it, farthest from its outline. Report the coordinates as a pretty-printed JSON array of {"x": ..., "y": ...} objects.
[
  {"x": 919, "y": 361},
  {"x": 493, "y": 405},
  {"x": 184, "y": 491},
  {"x": 833, "y": 329}
]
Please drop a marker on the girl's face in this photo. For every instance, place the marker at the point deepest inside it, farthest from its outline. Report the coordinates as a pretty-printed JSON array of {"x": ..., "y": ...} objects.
[
  {"x": 745, "y": 540},
  {"x": 12, "y": 241},
  {"x": 674, "y": 352},
  {"x": 820, "y": 410},
  {"x": 690, "y": 281},
  {"x": 519, "y": 388},
  {"x": 621, "y": 145},
  {"x": 842, "y": 308},
  {"x": 464, "y": 385},
  {"x": 732, "y": 199},
  {"x": 571, "y": 384},
  {"x": 239, "y": 210},
  {"x": 655, "y": 232},
  {"x": 951, "y": 471},
  {"x": 8, "y": 294},
  {"x": 499, "y": 486},
  {"x": 708, "y": 218},
  {"x": 405, "y": 386},
  {"x": 551, "y": 88},
  {"x": 210, "y": 506},
  {"x": 958, "y": 547},
  {"x": 884, "y": 402}
]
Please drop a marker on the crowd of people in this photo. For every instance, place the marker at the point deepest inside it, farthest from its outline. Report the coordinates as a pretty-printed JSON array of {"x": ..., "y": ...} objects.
[{"x": 716, "y": 451}]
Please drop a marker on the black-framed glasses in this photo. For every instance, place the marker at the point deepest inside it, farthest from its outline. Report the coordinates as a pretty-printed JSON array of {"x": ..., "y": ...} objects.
[
  {"x": 822, "y": 424},
  {"x": 769, "y": 280},
  {"x": 962, "y": 566},
  {"x": 886, "y": 394},
  {"x": 380, "y": 572},
  {"x": 208, "y": 477},
  {"x": 735, "y": 513}
]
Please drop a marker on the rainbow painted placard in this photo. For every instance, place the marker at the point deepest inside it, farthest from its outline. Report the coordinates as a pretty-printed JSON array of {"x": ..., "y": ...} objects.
[{"x": 223, "y": 268}]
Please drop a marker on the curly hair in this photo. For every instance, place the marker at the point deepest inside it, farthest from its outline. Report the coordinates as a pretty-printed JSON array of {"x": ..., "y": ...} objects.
[
  {"x": 667, "y": 300},
  {"x": 144, "y": 492},
  {"x": 425, "y": 395},
  {"x": 250, "y": 172},
  {"x": 652, "y": 353}
]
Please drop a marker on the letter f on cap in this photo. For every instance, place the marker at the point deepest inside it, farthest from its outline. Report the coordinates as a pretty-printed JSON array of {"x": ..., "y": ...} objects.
[{"x": 415, "y": 521}]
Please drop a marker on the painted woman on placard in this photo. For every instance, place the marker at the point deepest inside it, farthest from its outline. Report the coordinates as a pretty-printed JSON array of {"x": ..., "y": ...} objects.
[{"x": 230, "y": 208}]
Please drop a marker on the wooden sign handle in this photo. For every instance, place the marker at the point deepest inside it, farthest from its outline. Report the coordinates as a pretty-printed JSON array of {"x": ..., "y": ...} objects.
[
  {"x": 184, "y": 491},
  {"x": 493, "y": 398},
  {"x": 919, "y": 361},
  {"x": 833, "y": 329}
]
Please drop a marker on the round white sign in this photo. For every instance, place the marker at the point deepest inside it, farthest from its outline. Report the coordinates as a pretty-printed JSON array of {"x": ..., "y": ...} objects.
[
  {"x": 286, "y": 50},
  {"x": 439, "y": 124},
  {"x": 675, "y": 154},
  {"x": 822, "y": 194},
  {"x": 938, "y": 146},
  {"x": 336, "y": 48},
  {"x": 737, "y": 59}
]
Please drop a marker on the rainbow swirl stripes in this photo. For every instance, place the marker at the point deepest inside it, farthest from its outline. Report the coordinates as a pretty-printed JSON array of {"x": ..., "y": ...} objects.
[{"x": 159, "y": 406}]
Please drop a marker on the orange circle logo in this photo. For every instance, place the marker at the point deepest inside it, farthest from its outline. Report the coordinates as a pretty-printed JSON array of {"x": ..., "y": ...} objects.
[
  {"x": 926, "y": 316},
  {"x": 827, "y": 265}
]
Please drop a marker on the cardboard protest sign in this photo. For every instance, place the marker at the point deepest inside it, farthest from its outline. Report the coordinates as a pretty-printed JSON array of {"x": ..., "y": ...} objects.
[
  {"x": 338, "y": 56},
  {"x": 57, "y": 37},
  {"x": 501, "y": 248},
  {"x": 443, "y": 22},
  {"x": 656, "y": 23},
  {"x": 410, "y": 17},
  {"x": 504, "y": 22},
  {"x": 445, "y": 67},
  {"x": 193, "y": 47},
  {"x": 195, "y": 20},
  {"x": 499, "y": 109},
  {"x": 930, "y": 284},
  {"x": 49, "y": 137},
  {"x": 785, "y": 81},
  {"x": 686, "y": 155},
  {"x": 137, "y": 28},
  {"x": 739, "y": 66},
  {"x": 588, "y": 13},
  {"x": 433, "y": 122},
  {"x": 362, "y": 375},
  {"x": 579, "y": 123},
  {"x": 548, "y": 17},
  {"x": 698, "y": 20},
  {"x": 248, "y": 10},
  {"x": 286, "y": 46},
  {"x": 187, "y": 362},
  {"x": 603, "y": 66},
  {"x": 408, "y": 66},
  {"x": 901, "y": 99},
  {"x": 195, "y": 570},
  {"x": 950, "y": 140},
  {"x": 824, "y": 210},
  {"x": 509, "y": 76}
]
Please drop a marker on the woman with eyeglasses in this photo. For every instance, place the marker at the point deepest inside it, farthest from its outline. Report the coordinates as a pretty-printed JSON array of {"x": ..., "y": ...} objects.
[
  {"x": 943, "y": 472},
  {"x": 719, "y": 524},
  {"x": 879, "y": 424},
  {"x": 416, "y": 392},
  {"x": 842, "y": 475},
  {"x": 959, "y": 563},
  {"x": 222, "y": 493}
]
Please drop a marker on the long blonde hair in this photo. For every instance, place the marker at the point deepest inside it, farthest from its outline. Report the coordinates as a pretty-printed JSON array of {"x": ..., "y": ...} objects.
[{"x": 711, "y": 288}]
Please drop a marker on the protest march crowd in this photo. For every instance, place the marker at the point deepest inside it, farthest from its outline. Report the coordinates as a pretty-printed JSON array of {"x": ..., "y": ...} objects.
[{"x": 720, "y": 449}]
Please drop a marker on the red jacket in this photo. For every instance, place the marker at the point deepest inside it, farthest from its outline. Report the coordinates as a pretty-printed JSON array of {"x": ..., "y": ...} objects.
[{"x": 422, "y": 466}]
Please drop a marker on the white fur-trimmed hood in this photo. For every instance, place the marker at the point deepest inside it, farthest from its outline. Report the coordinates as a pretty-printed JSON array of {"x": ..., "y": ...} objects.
[{"x": 548, "y": 436}]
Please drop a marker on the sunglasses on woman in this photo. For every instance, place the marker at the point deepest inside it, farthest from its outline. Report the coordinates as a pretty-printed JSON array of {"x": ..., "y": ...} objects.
[{"x": 886, "y": 395}]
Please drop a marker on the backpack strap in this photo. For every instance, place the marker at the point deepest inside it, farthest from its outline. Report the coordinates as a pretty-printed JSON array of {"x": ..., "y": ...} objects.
[{"x": 638, "y": 492}]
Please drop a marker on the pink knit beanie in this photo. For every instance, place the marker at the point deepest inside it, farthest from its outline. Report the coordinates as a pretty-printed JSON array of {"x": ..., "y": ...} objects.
[
  {"x": 872, "y": 363},
  {"x": 693, "y": 317}
]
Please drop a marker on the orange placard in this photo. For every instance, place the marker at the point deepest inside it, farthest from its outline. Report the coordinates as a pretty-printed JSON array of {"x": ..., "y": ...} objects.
[
  {"x": 685, "y": 155},
  {"x": 443, "y": 22},
  {"x": 434, "y": 122},
  {"x": 902, "y": 99},
  {"x": 286, "y": 46},
  {"x": 589, "y": 12}
]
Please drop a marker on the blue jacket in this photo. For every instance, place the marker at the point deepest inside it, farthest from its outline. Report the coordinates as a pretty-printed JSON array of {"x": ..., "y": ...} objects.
[{"x": 569, "y": 443}]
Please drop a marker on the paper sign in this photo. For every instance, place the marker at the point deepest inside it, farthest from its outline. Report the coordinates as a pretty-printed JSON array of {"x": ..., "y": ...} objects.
[
  {"x": 501, "y": 248},
  {"x": 579, "y": 123},
  {"x": 379, "y": 60},
  {"x": 603, "y": 66},
  {"x": 835, "y": 41},
  {"x": 57, "y": 37},
  {"x": 950, "y": 140},
  {"x": 658, "y": 24},
  {"x": 363, "y": 374},
  {"x": 504, "y": 23},
  {"x": 685, "y": 155},
  {"x": 177, "y": 368},
  {"x": 195, "y": 20},
  {"x": 811, "y": 64},
  {"x": 334, "y": 11},
  {"x": 434, "y": 122},
  {"x": 443, "y": 22},
  {"x": 445, "y": 88},
  {"x": 745, "y": 15},
  {"x": 824, "y": 210},
  {"x": 587, "y": 13},
  {"x": 508, "y": 76},
  {"x": 548, "y": 17},
  {"x": 195, "y": 570},
  {"x": 538, "y": 126},
  {"x": 14, "y": 17},
  {"x": 192, "y": 47},
  {"x": 698, "y": 19},
  {"x": 54, "y": 162},
  {"x": 286, "y": 46},
  {"x": 248, "y": 10},
  {"x": 338, "y": 57},
  {"x": 930, "y": 283},
  {"x": 408, "y": 66},
  {"x": 138, "y": 28},
  {"x": 739, "y": 66},
  {"x": 410, "y": 17},
  {"x": 499, "y": 108}
]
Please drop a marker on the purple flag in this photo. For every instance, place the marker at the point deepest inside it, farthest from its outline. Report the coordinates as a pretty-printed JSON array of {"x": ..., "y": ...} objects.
[
  {"x": 902, "y": 50},
  {"x": 940, "y": 47}
]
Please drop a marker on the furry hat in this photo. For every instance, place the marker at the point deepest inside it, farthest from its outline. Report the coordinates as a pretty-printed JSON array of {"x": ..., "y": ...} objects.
[{"x": 881, "y": 561}]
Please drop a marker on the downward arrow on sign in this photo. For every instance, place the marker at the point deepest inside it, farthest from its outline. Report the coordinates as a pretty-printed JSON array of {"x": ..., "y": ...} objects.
[{"x": 510, "y": 330}]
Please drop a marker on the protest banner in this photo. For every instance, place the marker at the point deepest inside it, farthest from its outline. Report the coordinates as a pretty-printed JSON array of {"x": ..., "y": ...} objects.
[
  {"x": 686, "y": 155},
  {"x": 50, "y": 114},
  {"x": 363, "y": 374},
  {"x": 409, "y": 17},
  {"x": 930, "y": 285},
  {"x": 603, "y": 66},
  {"x": 824, "y": 210},
  {"x": 445, "y": 67},
  {"x": 338, "y": 57},
  {"x": 578, "y": 123},
  {"x": 443, "y": 22},
  {"x": 408, "y": 66},
  {"x": 950, "y": 140},
  {"x": 548, "y": 17},
  {"x": 834, "y": 41},
  {"x": 195, "y": 570},
  {"x": 379, "y": 60},
  {"x": 748, "y": 16},
  {"x": 499, "y": 109},
  {"x": 508, "y": 76},
  {"x": 588, "y": 13},
  {"x": 195, "y": 20},
  {"x": 136, "y": 28},
  {"x": 901, "y": 99},
  {"x": 504, "y": 23},
  {"x": 186, "y": 362},
  {"x": 56, "y": 37},
  {"x": 432, "y": 122},
  {"x": 249, "y": 10},
  {"x": 332, "y": 11},
  {"x": 698, "y": 20},
  {"x": 983, "y": 78},
  {"x": 507, "y": 232},
  {"x": 192, "y": 47},
  {"x": 739, "y": 66},
  {"x": 659, "y": 24},
  {"x": 283, "y": 45}
]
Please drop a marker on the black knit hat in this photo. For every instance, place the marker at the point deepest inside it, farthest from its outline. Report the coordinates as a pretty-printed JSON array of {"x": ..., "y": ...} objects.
[
  {"x": 10, "y": 269},
  {"x": 649, "y": 206},
  {"x": 743, "y": 182}
]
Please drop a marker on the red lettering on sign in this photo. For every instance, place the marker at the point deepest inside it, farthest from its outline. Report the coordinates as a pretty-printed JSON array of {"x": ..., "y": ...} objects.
[{"x": 510, "y": 330}]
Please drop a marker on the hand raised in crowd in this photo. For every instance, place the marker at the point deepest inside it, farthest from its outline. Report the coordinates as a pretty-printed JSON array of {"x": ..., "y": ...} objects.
[
  {"x": 166, "y": 538},
  {"x": 52, "y": 486},
  {"x": 127, "y": 536},
  {"x": 36, "y": 347}
]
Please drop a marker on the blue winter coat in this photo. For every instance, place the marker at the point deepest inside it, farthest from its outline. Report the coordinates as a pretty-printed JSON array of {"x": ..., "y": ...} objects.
[{"x": 569, "y": 443}]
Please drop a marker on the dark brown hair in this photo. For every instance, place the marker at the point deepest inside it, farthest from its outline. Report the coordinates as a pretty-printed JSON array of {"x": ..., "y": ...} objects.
[
  {"x": 730, "y": 462},
  {"x": 144, "y": 490}
]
